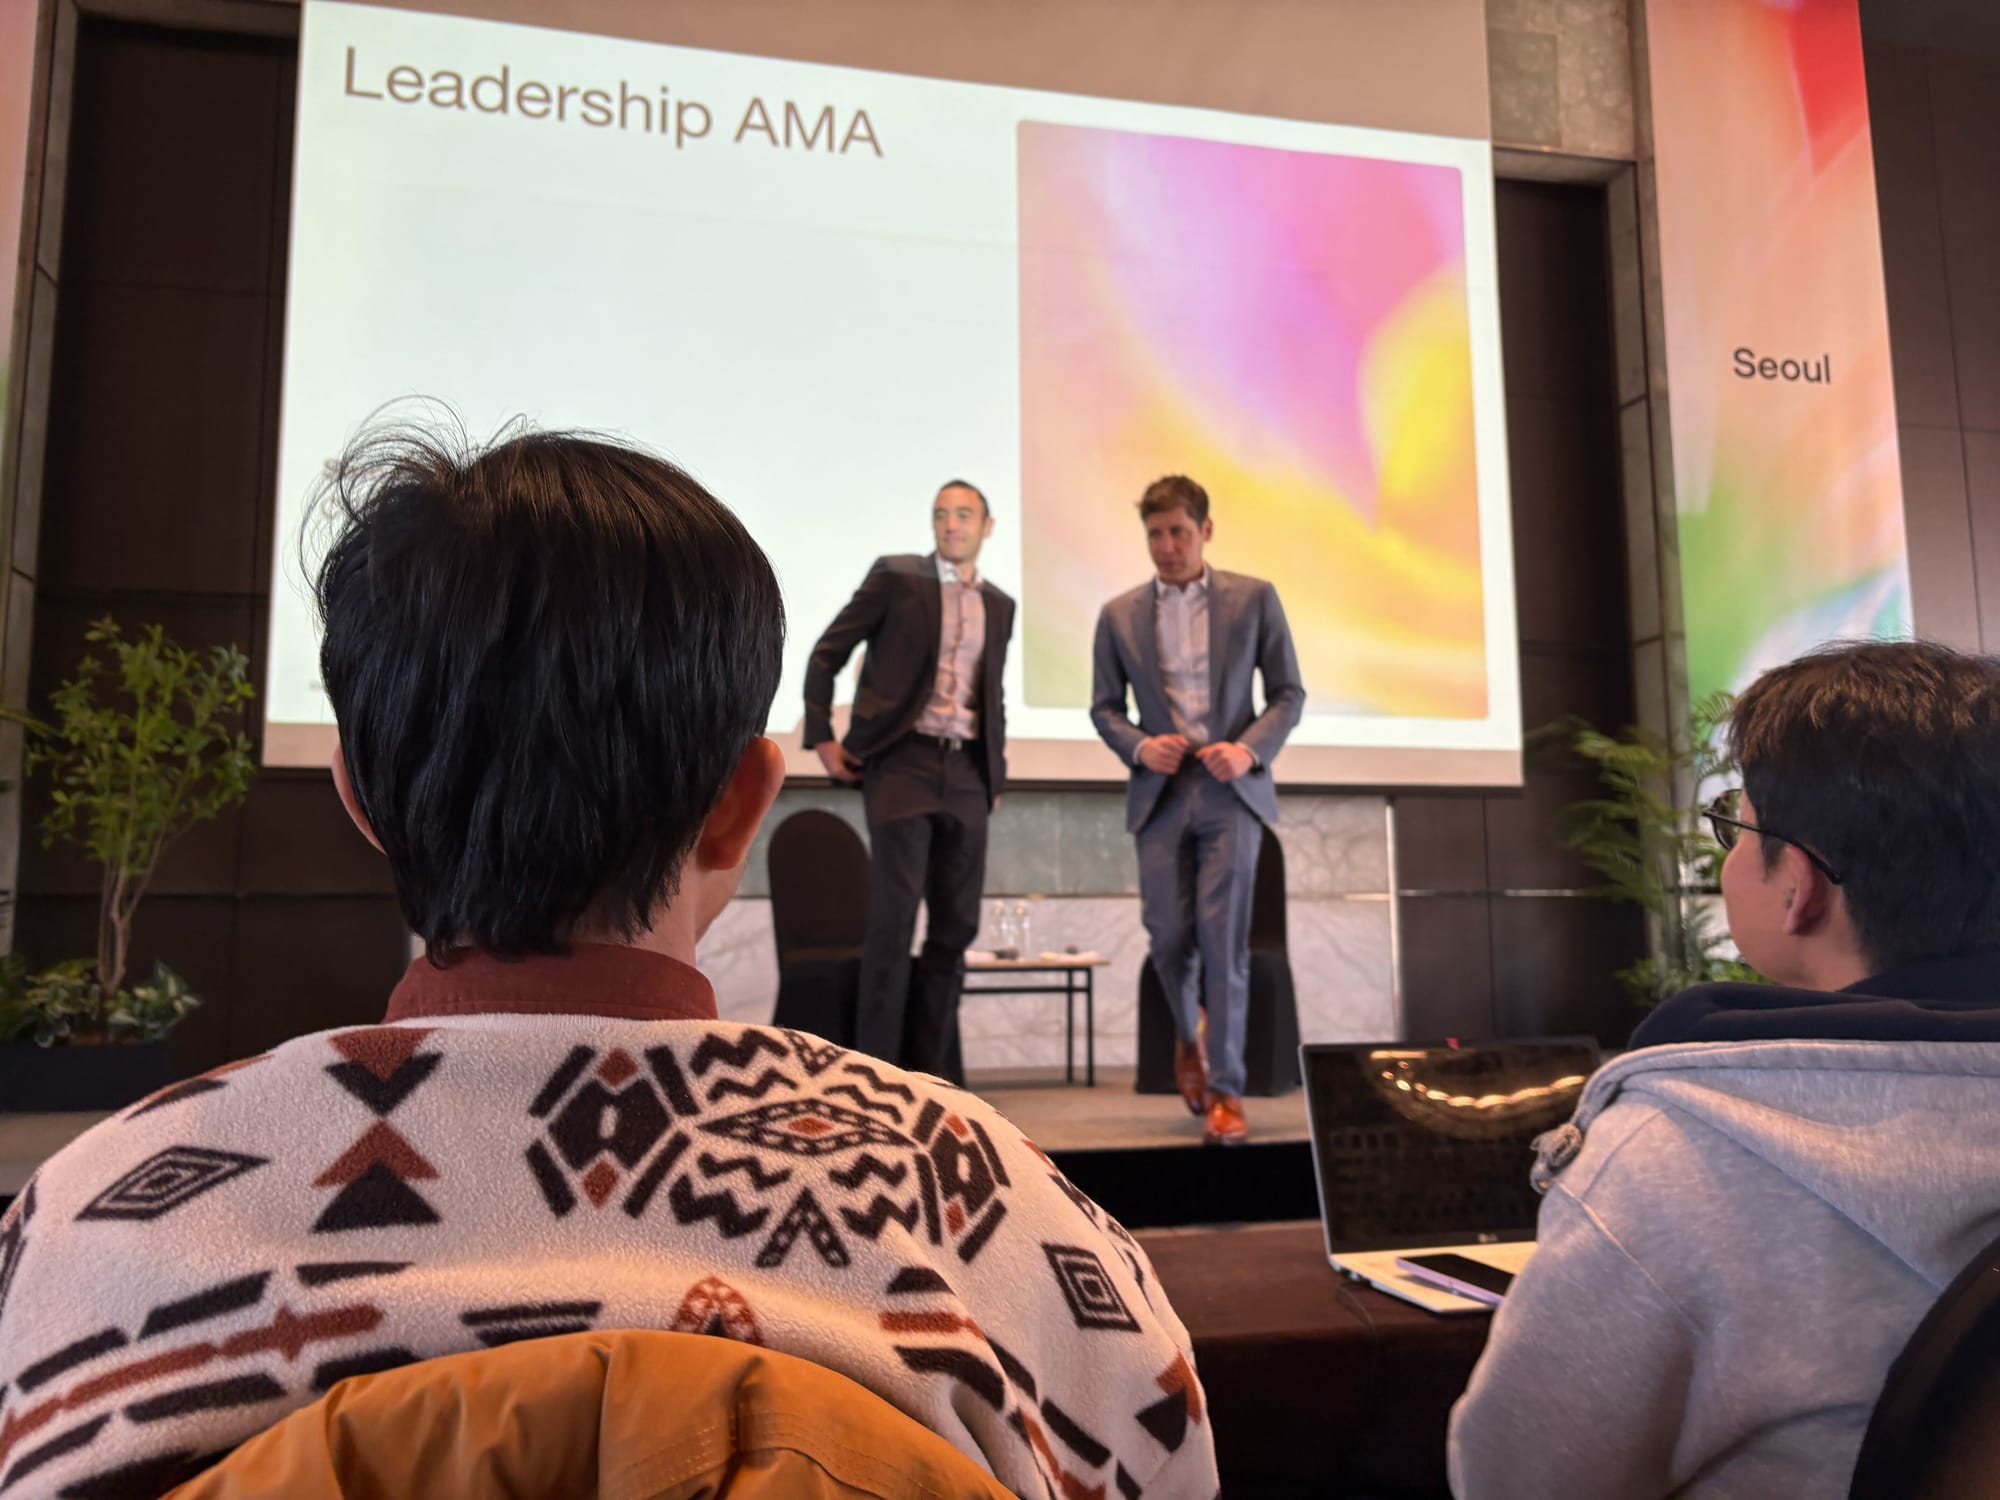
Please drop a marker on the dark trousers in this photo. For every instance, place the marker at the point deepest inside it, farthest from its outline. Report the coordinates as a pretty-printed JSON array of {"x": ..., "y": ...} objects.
[{"x": 927, "y": 810}]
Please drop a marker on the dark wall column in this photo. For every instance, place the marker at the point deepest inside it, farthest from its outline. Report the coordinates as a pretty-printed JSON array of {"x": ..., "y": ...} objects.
[
  {"x": 1495, "y": 936},
  {"x": 160, "y": 462},
  {"x": 1936, "y": 118}
]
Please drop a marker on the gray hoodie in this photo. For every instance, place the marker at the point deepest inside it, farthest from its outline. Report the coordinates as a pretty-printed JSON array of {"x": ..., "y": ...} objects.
[{"x": 1738, "y": 1239}]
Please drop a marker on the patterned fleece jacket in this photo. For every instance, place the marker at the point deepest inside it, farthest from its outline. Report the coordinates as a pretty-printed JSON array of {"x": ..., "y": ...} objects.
[{"x": 193, "y": 1269}]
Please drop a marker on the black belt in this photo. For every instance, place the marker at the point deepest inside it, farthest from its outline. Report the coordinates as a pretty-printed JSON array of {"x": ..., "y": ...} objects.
[{"x": 943, "y": 741}]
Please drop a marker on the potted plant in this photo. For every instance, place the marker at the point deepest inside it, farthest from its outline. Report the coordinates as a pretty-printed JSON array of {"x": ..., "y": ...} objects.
[
  {"x": 1647, "y": 838},
  {"x": 138, "y": 750}
]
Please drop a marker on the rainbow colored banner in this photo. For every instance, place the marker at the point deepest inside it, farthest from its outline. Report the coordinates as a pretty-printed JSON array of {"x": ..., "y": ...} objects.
[
  {"x": 1786, "y": 479},
  {"x": 17, "y": 86}
]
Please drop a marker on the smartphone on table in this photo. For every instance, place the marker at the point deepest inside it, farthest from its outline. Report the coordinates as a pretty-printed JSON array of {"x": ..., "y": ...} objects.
[{"x": 1460, "y": 1275}]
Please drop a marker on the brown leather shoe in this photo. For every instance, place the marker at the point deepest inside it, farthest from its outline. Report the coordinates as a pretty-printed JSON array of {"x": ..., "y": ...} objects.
[
  {"x": 1191, "y": 1074},
  {"x": 1225, "y": 1125}
]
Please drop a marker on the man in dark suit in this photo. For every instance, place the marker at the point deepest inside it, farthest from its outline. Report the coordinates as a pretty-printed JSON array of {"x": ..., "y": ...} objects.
[
  {"x": 928, "y": 743},
  {"x": 1186, "y": 645}
]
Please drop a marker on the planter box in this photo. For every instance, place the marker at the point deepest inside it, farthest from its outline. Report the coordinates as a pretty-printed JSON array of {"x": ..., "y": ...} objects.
[{"x": 48, "y": 1080}]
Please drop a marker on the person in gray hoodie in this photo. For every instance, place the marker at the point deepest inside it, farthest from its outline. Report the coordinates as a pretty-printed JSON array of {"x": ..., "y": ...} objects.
[{"x": 1755, "y": 1206}]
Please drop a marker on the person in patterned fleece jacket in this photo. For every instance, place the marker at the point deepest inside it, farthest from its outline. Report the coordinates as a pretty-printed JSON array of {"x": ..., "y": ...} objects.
[{"x": 551, "y": 662}]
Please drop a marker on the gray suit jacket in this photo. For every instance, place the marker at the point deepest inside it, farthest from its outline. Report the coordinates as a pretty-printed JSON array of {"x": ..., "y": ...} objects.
[{"x": 1247, "y": 634}]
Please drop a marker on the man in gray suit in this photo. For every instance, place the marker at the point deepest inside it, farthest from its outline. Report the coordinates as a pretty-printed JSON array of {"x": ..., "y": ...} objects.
[{"x": 1186, "y": 645}]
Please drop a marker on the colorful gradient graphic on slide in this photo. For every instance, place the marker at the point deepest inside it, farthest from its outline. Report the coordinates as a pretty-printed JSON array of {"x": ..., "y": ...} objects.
[
  {"x": 1290, "y": 329},
  {"x": 1786, "y": 480}
]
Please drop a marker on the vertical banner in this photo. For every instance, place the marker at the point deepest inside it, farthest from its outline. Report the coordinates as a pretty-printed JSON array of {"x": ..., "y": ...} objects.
[
  {"x": 1786, "y": 481},
  {"x": 17, "y": 87}
]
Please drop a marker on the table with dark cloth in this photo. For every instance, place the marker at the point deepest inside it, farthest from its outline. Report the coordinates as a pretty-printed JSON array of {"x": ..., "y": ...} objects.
[{"x": 1316, "y": 1385}]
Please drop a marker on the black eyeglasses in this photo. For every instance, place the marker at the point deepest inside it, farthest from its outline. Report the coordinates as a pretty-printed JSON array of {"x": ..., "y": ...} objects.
[{"x": 1726, "y": 826}]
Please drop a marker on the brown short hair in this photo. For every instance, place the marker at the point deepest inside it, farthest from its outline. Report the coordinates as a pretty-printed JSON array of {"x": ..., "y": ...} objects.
[
  {"x": 1883, "y": 757},
  {"x": 1175, "y": 492}
]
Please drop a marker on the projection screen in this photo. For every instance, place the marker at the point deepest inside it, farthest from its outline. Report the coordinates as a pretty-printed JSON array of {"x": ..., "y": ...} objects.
[{"x": 828, "y": 255}]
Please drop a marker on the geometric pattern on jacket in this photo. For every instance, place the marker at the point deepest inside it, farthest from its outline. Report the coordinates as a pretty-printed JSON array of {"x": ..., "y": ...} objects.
[{"x": 222, "y": 1253}]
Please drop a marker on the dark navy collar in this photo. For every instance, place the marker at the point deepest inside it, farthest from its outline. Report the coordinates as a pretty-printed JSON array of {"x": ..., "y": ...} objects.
[{"x": 1955, "y": 999}]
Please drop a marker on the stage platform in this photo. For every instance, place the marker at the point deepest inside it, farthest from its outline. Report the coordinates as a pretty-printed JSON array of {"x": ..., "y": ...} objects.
[
  {"x": 1142, "y": 1155},
  {"x": 1110, "y": 1117}
]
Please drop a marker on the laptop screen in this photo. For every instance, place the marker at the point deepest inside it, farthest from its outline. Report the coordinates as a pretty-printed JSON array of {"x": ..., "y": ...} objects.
[{"x": 1420, "y": 1144}]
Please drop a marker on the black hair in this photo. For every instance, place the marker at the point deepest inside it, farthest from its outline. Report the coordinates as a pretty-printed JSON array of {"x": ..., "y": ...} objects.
[
  {"x": 546, "y": 656},
  {"x": 966, "y": 484},
  {"x": 1883, "y": 758}
]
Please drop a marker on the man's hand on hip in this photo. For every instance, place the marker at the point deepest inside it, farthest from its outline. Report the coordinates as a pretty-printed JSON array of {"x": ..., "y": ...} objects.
[
  {"x": 839, "y": 764},
  {"x": 1227, "y": 761},
  {"x": 1164, "y": 753}
]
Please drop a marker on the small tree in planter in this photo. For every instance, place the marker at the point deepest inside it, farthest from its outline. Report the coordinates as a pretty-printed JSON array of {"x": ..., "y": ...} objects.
[
  {"x": 139, "y": 750},
  {"x": 1653, "y": 851}
]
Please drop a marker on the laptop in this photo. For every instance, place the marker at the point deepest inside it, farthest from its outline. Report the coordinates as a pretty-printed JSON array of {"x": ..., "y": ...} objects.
[{"x": 1423, "y": 1149}]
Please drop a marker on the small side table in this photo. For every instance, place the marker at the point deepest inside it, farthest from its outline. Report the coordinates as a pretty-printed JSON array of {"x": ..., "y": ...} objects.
[{"x": 1078, "y": 976}]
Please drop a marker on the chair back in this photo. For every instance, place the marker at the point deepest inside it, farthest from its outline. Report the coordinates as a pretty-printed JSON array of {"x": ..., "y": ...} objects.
[
  {"x": 581, "y": 1414},
  {"x": 819, "y": 885},
  {"x": 1935, "y": 1431},
  {"x": 1267, "y": 900}
]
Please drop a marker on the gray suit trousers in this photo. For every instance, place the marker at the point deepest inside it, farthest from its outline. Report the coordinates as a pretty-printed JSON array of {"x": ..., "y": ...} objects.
[{"x": 1197, "y": 874}]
